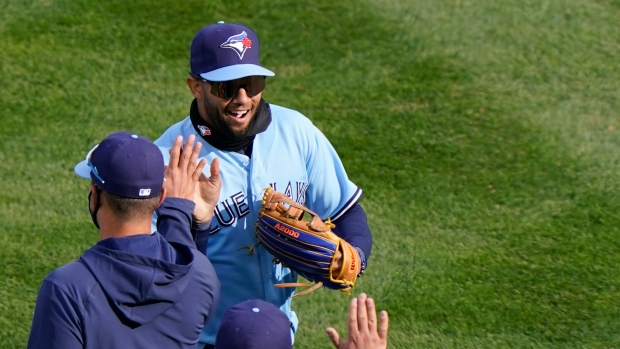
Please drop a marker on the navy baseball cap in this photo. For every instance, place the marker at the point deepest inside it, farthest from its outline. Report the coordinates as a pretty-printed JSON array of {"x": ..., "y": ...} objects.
[
  {"x": 226, "y": 51},
  {"x": 125, "y": 164},
  {"x": 254, "y": 324}
]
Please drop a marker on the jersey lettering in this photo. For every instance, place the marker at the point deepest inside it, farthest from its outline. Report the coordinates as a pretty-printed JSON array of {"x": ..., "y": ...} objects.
[
  {"x": 302, "y": 188},
  {"x": 227, "y": 220},
  {"x": 289, "y": 191},
  {"x": 226, "y": 215},
  {"x": 241, "y": 204},
  {"x": 229, "y": 211}
]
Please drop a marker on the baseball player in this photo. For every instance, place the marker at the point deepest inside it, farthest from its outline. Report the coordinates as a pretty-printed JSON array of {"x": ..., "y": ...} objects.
[{"x": 259, "y": 145}]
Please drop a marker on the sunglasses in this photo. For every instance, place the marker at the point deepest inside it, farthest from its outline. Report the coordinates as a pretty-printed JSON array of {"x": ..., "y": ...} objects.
[{"x": 253, "y": 85}]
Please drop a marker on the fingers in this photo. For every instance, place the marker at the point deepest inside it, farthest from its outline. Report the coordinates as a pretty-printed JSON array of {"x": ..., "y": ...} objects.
[
  {"x": 383, "y": 325},
  {"x": 372, "y": 315},
  {"x": 184, "y": 169},
  {"x": 362, "y": 314},
  {"x": 187, "y": 152},
  {"x": 198, "y": 170},
  {"x": 215, "y": 178},
  {"x": 195, "y": 150},
  {"x": 333, "y": 336},
  {"x": 362, "y": 326},
  {"x": 215, "y": 172},
  {"x": 175, "y": 152},
  {"x": 185, "y": 157},
  {"x": 353, "y": 316}
]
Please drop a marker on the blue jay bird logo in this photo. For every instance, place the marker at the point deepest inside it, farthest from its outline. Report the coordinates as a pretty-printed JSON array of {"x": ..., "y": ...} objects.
[
  {"x": 204, "y": 130},
  {"x": 240, "y": 43}
]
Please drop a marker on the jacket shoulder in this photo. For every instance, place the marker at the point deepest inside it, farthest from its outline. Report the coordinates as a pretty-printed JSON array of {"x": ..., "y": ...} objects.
[{"x": 74, "y": 279}]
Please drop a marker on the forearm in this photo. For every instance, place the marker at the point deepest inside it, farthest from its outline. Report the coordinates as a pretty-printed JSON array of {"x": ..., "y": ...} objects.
[
  {"x": 174, "y": 220},
  {"x": 200, "y": 234},
  {"x": 353, "y": 227}
]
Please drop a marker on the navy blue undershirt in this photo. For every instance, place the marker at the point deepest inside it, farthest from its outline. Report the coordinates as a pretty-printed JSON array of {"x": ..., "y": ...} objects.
[{"x": 353, "y": 227}]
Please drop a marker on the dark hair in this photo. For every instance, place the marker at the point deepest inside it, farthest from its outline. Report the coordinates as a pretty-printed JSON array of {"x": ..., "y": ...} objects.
[{"x": 130, "y": 209}]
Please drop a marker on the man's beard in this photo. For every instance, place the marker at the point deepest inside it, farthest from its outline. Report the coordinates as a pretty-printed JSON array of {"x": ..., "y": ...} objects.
[{"x": 218, "y": 122}]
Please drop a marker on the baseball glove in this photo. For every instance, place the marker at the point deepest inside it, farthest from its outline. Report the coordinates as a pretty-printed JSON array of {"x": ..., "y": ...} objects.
[{"x": 301, "y": 241}]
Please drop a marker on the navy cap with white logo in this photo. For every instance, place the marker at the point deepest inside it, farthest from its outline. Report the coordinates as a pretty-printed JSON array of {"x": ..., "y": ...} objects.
[
  {"x": 125, "y": 164},
  {"x": 226, "y": 51},
  {"x": 254, "y": 324}
]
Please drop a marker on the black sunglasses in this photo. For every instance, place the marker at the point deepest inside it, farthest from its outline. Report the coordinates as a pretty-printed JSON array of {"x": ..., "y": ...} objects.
[{"x": 253, "y": 85}]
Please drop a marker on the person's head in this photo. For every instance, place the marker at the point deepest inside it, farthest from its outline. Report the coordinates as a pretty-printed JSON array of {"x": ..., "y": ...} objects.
[
  {"x": 254, "y": 324},
  {"x": 226, "y": 77},
  {"x": 127, "y": 174}
]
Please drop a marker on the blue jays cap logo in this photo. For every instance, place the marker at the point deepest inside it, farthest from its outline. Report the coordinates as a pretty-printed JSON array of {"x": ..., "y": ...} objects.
[
  {"x": 240, "y": 43},
  {"x": 204, "y": 130}
]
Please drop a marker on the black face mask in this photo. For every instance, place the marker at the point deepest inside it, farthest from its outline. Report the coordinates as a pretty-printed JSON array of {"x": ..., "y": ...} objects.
[{"x": 93, "y": 214}]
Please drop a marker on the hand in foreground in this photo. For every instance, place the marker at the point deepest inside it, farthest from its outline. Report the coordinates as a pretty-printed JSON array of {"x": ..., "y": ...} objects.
[
  {"x": 362, "y": 327},
  {"x": 207, "y": 193},
  {"x": 183, "y": 172}
]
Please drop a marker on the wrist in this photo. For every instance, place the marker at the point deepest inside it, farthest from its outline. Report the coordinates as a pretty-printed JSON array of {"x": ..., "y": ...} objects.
[
  {"x": 203, "y": 213},
  {"x": 363, "y": 259},
  {"x": 202, "y": 217},
  {"x": 201, "y": 225}
]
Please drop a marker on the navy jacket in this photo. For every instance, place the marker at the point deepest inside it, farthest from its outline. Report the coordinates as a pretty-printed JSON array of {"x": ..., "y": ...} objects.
[{"x": 140, "y": 291}]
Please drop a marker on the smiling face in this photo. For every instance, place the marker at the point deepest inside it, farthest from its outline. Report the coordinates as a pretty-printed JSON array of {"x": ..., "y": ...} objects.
[{"x": 233, "y": 117}]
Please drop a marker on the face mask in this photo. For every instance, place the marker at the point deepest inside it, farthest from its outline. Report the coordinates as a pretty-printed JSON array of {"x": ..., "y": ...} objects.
[{"x": 93, "y": 214}]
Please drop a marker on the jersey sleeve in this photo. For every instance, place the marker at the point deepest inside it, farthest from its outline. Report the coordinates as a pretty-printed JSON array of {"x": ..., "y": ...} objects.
[
  {"x": 56, "y": 323},
  {"x": 330, "y": 192}
]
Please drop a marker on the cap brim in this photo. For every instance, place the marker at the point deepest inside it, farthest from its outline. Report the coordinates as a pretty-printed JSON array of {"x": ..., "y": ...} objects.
[
  {"x": 82, "y": 169},
  {"x": 235, "y": 72}
]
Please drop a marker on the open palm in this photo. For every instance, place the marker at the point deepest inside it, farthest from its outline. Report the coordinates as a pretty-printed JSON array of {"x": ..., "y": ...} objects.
[{"x": 207, "y": 193}]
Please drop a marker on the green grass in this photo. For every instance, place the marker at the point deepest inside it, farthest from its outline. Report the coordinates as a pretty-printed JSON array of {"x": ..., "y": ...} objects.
[{"x": 484, "y": 134}]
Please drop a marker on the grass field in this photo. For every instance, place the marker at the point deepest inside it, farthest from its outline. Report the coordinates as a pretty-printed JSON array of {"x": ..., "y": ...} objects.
[{"x": 485, "y": 135}]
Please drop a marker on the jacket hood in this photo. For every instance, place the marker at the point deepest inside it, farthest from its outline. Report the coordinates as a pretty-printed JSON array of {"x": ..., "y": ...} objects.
[{"x": 142, "y": 276}]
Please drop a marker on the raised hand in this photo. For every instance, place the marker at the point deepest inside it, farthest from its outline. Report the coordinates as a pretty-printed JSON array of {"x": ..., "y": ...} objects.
[
  {"x": 362, "y": 326},
  {"x": 183, "y": 172},
  {"x": 207, "y": 193}
]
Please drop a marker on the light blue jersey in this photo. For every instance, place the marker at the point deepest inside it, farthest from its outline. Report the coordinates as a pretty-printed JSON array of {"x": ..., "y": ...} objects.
[{"x": 294, "y": 158}]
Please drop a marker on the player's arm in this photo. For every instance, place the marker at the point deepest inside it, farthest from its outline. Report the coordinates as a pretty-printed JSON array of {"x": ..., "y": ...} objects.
[
  {"x": 174, "y": 216},
  {"x": 174, "y": 219},
  {"x": 332, "y": 194},
  {"x": 353, "y": 227},
  {"x": 200, "y": 234},
  {"x": 56, "y": 323}
]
